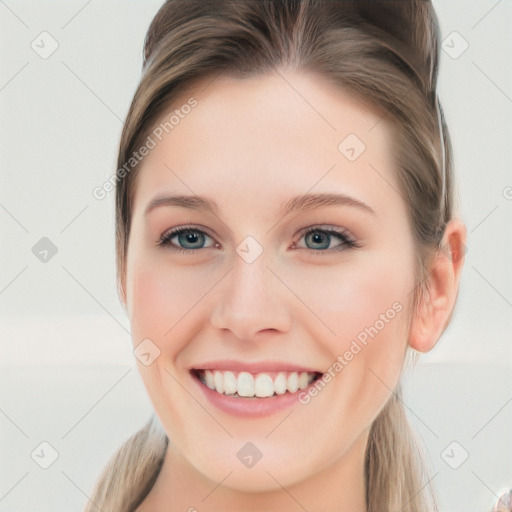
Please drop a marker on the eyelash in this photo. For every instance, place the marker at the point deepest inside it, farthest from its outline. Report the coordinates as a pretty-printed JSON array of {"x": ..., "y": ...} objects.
[{"x": 347, "y": 241}]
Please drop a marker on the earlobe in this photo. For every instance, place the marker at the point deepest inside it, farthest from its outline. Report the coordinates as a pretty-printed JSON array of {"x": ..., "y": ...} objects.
[{"x": 440, "y": 290}]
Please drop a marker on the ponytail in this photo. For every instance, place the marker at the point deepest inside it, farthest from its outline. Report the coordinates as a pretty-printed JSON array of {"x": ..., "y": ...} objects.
[
  {"x": 131, "y": 472},
  {"x": 395, "y": 470}
]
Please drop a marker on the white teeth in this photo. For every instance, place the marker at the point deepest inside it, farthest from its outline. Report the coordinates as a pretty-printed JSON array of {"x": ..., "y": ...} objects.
[
  {"x": 261, "y": 385},
  {"x": 303, "y": 380},
  {"x": 218, "y": 380},
  {"x": 230, "y": 383},
  {"x": 245, "y": 384},
  {"x": 280, "y": 383},
  {"x": 292, "y": 383},
  {"x": 208, "y": 376}
]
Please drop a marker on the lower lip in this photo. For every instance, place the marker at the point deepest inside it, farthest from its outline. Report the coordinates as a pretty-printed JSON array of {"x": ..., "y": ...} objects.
[{"x": 250, "y": 407}]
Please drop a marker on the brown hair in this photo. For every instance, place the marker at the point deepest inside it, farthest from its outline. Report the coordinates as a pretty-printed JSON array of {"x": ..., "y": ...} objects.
[{"x": 385, "y": 53}]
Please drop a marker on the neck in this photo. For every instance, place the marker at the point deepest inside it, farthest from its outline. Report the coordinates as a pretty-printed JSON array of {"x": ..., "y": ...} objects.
[{"x": 340, "y": 487}]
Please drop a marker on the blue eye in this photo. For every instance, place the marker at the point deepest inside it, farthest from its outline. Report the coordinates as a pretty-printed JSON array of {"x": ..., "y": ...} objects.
[
  {"x": 321, "y": 239},
  {"x": 188, "y": 239}
]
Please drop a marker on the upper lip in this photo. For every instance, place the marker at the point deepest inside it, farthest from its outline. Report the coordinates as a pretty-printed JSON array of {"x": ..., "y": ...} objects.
[{"x": 254, "y": 367}]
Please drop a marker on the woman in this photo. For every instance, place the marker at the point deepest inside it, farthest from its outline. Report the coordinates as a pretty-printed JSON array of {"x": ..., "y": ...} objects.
[{"x": 286, "y": 243}]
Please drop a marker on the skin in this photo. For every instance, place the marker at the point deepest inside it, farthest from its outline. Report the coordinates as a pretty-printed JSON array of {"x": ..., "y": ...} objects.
[{"x": 250, "y": 145}]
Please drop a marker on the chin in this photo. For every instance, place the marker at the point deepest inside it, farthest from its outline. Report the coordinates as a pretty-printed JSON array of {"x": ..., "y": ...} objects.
[
  {"x": 265, "y": 479},
  {"x": 273, "y": 466}
]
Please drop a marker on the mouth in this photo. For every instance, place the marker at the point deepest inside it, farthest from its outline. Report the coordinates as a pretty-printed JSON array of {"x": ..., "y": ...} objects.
[{"x": 242, "y": 384}]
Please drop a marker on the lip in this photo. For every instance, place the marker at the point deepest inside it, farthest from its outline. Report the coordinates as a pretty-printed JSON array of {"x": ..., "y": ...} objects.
[
  {"x": 255, "y": 367},
  {"x": 253, "y": 407}
]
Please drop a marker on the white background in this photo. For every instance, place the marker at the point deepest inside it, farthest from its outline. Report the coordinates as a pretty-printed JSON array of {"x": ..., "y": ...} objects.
[{"x": 67, "y": 373}]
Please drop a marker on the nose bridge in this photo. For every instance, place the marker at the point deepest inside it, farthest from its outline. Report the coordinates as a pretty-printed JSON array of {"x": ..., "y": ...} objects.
[
  {"x": 248, "y": 283},
  {"x": 249, "y": 300}
]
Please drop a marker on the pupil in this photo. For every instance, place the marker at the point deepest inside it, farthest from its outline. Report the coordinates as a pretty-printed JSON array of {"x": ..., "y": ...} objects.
[
  {"x": 193, "y": 239},
  {"x": 320, "y": 239}
]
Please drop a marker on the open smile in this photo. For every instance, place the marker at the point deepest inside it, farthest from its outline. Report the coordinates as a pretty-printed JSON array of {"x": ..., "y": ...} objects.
[
  {"x": 253, "y": 394},
  {"x": 260, "y": 385}
]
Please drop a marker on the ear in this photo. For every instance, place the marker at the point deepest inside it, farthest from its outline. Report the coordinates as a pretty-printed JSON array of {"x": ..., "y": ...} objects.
[{"x": 442, "y": 284}]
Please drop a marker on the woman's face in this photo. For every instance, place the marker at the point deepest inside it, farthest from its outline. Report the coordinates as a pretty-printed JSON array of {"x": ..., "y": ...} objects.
[{"x": 299, "y": 262}]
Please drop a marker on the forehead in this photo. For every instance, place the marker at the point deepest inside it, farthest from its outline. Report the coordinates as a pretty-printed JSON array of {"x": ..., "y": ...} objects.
[{"x": 291, "y": 130}]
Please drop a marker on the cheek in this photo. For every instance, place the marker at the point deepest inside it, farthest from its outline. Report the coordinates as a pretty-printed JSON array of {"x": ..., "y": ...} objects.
[
  {"x": 352, "y": 296},
  {"x": 165, "y": 307},
  {"x": 360, "y": 313},
  {"x": 162, "y": 299},
  {"x": 364, "y": 303},
  {"x": 371, "y": 327}
]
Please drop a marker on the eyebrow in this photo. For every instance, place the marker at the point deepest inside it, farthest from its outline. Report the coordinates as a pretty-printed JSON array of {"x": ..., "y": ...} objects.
[
  {"x": 303, "y": 202},
  {"x": 313, "y": 201},
  {"x": 192, "y": 202}
]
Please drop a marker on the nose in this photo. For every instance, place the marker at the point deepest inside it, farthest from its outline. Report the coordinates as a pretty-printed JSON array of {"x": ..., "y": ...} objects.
[{"x": 251, "y": 300}]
